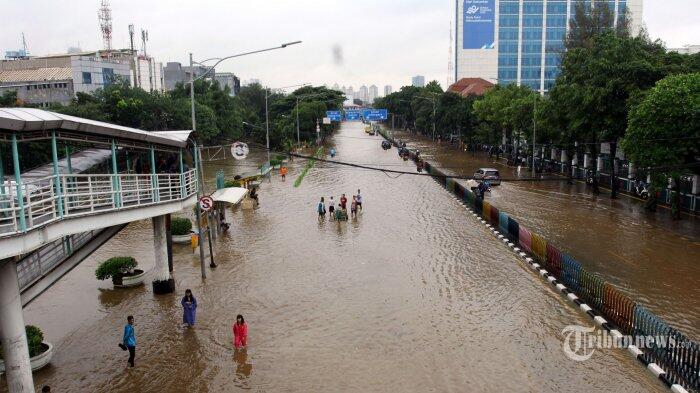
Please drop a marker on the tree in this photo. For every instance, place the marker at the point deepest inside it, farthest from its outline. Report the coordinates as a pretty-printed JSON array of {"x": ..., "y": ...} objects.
[
  {"x": 597, "y": 83},
  {"x": 664, "y": 129},
  {"x": 589, "y": 22}
]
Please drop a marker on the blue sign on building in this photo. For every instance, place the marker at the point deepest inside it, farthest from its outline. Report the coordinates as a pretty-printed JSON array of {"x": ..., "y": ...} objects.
[
  {"x": 352, "y": 114},
  {"x": 375, "y": 114},
  {"x": 478, "y": 25},
  {"x": 334, "y": 115}
]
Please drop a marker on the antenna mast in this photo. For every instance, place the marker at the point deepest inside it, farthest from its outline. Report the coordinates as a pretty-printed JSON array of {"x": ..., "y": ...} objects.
[{"x": 105, "y": 17}]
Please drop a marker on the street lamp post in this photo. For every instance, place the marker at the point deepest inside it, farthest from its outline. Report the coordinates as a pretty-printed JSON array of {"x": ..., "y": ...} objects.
[
  {"x": 267, "y": 117},
  {"x": 196, "y": 153},
  {"x": 299, "y": 98}
]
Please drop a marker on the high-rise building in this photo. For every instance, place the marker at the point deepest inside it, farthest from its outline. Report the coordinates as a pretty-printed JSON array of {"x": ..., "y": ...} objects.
[
  {"x": 686, "y": 49},
  {"x": 388, "y": 90},
  {"x": 230, "y": 80},
  {"x": 516, "y": 41},
  {"x": 373, "y": 93},
  {"x": 363, "y": 93},
  {"x": 418, "y": 81},
  {"x": 175, "y": 73}
]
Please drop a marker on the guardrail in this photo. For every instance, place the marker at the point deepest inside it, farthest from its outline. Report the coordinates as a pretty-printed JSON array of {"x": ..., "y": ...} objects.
[
  {"x": 681, "y": 360},
  {"x": 689, "y": 202},
  {"x": 35, "y": 265},
  {"x": 42, "y": 201}
]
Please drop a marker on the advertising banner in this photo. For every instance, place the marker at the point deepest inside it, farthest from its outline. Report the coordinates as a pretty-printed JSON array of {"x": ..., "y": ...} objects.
[{"x": 478, "y": 27}]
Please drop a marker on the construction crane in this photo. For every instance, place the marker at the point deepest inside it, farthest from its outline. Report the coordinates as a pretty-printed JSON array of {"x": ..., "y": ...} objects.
[{"x": 104, "y": 14}]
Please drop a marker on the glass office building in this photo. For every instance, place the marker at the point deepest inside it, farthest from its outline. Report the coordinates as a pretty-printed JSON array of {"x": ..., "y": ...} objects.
[{"x": 521, "y": 41}]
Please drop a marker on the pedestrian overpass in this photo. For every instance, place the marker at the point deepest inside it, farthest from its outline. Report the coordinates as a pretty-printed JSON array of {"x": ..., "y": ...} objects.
[{"x": 147, "y": 177}]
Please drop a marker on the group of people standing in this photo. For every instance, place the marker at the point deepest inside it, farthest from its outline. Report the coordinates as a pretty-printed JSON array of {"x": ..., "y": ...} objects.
[
  {"x": 189, "y": 318},
  {"x": 341, "y": 213}
]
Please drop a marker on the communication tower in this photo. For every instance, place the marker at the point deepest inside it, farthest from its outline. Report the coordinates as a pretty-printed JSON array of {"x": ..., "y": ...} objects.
[{"x": 104, "y": 14}]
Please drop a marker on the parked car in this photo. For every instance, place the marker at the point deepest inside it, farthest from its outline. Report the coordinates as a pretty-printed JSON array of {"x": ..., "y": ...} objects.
[{"x": 490, "y": 174}]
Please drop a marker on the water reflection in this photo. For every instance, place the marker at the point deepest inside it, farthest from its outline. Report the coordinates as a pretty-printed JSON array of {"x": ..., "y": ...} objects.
[{"x": 414, "y": 295}]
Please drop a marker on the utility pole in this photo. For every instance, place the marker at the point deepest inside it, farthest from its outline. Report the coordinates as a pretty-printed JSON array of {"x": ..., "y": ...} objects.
[
  {"x": 433, "y": 119},
  {"x": 195, "y": 158},
  {"x": 267, "y": 127},
  {"x": 534, "y": 134},
  {"x": 298, "y": 140}
]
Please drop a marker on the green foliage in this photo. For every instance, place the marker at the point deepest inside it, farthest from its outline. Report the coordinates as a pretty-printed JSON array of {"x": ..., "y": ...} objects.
[
  {"x": 232, "y": 183},
  {"x": 115, "y": 266},
  {"x": 309, "y": 164},
  {"x": 664, "y": 128},
  {"x": 35, "y": 337},
  {"x": 180, "y": 226}
]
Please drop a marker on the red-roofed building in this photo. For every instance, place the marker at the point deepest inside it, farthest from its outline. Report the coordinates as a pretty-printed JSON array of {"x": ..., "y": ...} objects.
[{"x": 467, "y": 86}]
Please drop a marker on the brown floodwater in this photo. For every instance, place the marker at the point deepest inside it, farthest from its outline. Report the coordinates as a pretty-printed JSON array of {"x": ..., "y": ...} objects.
[
  {"x": 413, "y": 295},
  {"x": 649, "y": 256}
]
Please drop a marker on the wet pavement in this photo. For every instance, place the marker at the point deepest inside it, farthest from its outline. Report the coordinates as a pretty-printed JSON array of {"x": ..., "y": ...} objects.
[
  {"x": 649, "y": 256},
  {"x": 413, "y": 295}
]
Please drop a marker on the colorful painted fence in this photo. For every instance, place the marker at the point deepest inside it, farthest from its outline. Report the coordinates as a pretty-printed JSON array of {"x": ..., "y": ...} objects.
[{"x": 680, "y": 360}]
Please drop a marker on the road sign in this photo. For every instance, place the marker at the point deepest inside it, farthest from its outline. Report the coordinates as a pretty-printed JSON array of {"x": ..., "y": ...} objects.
[
  {"x": 375, "y": 114},
  {"x": 326, "y": 120},
  {"x": 334, "y": 115},
  {"x": 206, "y": 203},
  {"x": 239, "y": 150},
  {"x": 352, "y": 114}
]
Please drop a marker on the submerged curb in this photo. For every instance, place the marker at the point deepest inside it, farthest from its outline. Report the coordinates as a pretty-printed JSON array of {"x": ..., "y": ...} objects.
[{"x": 598, "y": 319}]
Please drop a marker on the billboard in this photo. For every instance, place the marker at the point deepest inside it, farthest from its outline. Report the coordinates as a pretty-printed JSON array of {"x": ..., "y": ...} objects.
[{"x": 478, "y": 27}]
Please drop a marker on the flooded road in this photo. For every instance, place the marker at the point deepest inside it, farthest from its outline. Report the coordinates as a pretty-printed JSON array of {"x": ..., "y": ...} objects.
[
  {"x": 650, "y": 257},
  {"x": 413, "y": 295}
]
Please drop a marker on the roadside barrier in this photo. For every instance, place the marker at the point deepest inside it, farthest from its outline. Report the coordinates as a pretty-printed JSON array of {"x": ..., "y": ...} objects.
[{"x": 676, "y": 364}]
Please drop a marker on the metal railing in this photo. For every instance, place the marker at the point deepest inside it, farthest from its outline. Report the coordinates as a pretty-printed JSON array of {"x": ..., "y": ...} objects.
[
  {"x": 39, "y": 202},
  {"x": 35, "y": 265}
]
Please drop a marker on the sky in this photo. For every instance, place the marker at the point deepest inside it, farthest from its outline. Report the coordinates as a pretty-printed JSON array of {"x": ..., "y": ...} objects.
[{"x": 346, "y": 42}]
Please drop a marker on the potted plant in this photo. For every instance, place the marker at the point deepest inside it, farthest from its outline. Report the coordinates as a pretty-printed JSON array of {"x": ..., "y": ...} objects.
[
  {"x": 40, "y": 352},
  {"x": 181, "y": 229},
  {"x": 122, "y": 271}
]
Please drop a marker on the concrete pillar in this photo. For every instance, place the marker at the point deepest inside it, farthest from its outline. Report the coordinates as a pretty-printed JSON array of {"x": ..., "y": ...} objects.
[
  {"x": 163, "y": 283},
  {"x": 586, "y": 160},
  {"x": 696, "y": 184},
  {"x": 18, "y": 371},
  {"x": 553, "y": 157},
  {"x": 600, "y": 164},
  {"x": 632, "y": 171},
  {"x": 564, "y": 159},
  {"x": 574, "y": 161},
  {"x": 504, "y": 139}
]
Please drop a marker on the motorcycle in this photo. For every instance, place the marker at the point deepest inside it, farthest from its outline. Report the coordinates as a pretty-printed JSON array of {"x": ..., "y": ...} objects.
[{"x": 640, "y": 190}]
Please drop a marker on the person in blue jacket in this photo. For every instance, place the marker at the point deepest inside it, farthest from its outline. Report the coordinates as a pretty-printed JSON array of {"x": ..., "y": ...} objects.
[{"x": 129, "y": 340}]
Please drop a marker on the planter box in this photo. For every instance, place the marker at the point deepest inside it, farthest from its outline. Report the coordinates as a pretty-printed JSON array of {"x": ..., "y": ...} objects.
[
  {"x": 164, "y": 286},
  {"x": 129, "y": 281},
  {"x": 37, "y": 362},
  {"x": 183, "y": 239}
]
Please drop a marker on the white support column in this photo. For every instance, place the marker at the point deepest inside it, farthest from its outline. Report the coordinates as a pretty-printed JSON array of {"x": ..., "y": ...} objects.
[
  {"x": 564, "y": 159},
  {"x": 12, "y": 335},
  {"x": 160, "y": 248},
  {"x": 586, "y": 160},
  {"x": 696, "y": 184},
  {"x": 632, "y": 172},
  {"x": 600, "y": 164}
]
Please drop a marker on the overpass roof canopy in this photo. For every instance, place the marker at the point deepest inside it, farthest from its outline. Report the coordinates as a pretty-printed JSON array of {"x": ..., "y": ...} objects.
[{"x": 33, "y": 124}]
